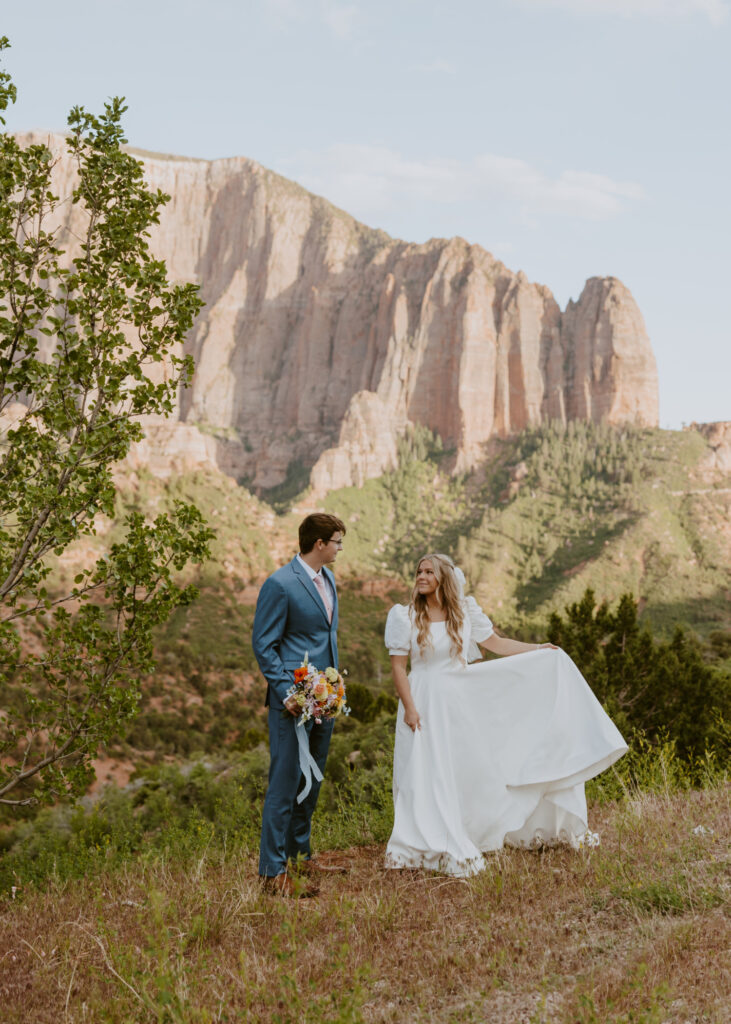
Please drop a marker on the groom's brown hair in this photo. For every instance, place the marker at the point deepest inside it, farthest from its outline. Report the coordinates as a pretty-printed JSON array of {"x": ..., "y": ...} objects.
[{"x": 318, "y": 526}]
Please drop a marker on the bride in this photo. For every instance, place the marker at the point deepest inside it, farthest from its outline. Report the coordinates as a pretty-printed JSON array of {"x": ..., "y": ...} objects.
[{"x": 490, "y": 753}]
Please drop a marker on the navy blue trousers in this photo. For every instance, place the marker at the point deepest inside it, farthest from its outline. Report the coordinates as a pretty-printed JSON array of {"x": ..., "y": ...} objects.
[{"x": 286, "y": 825}]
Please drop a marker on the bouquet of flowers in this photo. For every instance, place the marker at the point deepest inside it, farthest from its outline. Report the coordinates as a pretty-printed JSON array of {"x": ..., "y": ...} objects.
[{"x": 320, "y": 694}]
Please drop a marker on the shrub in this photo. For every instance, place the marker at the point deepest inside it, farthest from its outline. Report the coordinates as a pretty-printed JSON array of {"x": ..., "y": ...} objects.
[{"x": 662, "y": 688}]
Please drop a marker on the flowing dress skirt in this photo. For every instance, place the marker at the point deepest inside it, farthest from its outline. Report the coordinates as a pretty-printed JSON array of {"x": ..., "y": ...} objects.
[{"x": 502, "y": 756}]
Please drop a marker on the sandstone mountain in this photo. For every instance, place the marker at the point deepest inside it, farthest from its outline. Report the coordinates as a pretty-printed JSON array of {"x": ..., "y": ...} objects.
[{"x": 322, "y": 339}]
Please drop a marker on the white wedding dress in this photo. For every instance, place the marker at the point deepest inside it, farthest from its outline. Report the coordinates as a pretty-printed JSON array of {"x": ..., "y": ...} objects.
[{"x": 503, "y": 751}]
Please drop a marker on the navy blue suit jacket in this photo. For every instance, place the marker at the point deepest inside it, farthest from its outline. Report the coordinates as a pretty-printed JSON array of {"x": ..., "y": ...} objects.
[{"x": 291, "y": 621}]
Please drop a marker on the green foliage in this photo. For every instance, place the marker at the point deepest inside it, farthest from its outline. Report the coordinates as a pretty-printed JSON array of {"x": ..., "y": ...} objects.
[
  {"x": 550, "y": 512},
  {"x": 664, "y": 689},
  {"x": 404, "y": 513},
  {"x": 578, "y": 455},
  {"x": 88, "y": 343},
  {"x": 365, "y": 706},
  {"x": 719, "y": 644},
  {"x": 282, "y": 497},
  {"x": 653, "y": 1009},
  {"x": 175, "y": 812},
  {"x": 179, "y": 810},
  {"x": 419, "y": 444},
  {"x": 360, "y": 637},
  {"x": 671, "y": 895},
  {"x": 356, "y": 802},
  {"x": 212, "y": 633},
  {"x": 655, "y": 767},
  {"x": 218, "y": 722}
]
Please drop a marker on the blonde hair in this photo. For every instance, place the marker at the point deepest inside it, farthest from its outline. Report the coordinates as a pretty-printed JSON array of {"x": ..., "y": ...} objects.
[{"x": 448, "y": 596}]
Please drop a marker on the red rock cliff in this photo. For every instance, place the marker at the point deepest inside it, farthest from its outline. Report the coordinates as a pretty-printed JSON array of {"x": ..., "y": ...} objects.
[{"x": 322, "y": 339}]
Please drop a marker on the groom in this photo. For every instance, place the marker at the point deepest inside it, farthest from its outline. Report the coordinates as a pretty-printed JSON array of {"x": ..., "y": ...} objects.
[{"x": 296, "y": 614}]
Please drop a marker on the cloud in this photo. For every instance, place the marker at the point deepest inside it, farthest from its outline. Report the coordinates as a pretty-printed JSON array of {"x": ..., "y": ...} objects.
[
  {"x": 372, "y": 181},
  {"x": 341, "y": 19},
  {"x": 716, "y": 11}
]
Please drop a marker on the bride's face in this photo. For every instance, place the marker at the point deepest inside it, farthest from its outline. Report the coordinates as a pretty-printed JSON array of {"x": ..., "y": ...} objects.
[{"x": 426, "y": 581}]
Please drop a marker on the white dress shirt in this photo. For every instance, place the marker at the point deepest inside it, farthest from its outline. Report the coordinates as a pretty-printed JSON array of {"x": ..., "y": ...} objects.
[{"x": 328, "y": 588}]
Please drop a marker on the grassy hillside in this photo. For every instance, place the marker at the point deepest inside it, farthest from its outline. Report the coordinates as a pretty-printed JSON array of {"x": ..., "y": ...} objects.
[
  {"x": 635, "y": 929},
  {"x": 557, "y": 510},
  {"x": 546, "y": 515},
  {"x": 141, "y": 904}
]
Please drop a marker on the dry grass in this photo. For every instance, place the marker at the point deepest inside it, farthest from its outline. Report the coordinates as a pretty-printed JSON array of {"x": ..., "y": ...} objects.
[{"x": 636, "y": 930}]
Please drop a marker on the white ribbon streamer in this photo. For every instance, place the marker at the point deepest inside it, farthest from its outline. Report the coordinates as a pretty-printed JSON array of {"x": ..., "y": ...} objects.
[{"x": 308, "y": 765}]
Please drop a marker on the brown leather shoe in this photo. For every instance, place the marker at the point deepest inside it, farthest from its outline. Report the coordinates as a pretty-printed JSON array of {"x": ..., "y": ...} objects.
[{"x": 285, "y": 885}]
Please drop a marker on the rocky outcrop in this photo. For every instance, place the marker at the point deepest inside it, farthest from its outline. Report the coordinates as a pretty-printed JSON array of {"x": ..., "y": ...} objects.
[
  {"x": 169, "y": 448},
  {"x": 322, "y": 339},
  {"x": 610, "y": 373},
  {"x": 366, "y": 445},
  {"x": 718, "y": 438}
]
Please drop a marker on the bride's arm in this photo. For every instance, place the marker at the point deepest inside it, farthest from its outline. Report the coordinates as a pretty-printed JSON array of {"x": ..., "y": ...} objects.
[
  {"x": 401, "y": 682},
  {"x": 503, "y": 645}
]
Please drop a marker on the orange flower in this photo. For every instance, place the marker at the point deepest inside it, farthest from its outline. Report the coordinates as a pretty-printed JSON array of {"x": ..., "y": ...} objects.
[{"x": 299, "y": 674}]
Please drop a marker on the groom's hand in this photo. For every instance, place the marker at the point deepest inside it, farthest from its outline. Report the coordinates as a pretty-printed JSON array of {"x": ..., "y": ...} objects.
[{"x": 292, "y": 706}]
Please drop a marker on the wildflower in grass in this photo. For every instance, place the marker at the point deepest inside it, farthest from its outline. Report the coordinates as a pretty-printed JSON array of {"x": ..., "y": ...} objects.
[
  {"x": 701, "y": 830},
  {"x": 589, "y": 840}
]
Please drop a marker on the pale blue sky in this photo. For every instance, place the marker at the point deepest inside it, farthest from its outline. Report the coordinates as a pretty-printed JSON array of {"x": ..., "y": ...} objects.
[{"x": 571, "y": 138}]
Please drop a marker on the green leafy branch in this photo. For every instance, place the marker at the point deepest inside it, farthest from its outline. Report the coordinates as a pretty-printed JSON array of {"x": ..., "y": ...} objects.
[{"x": 92, "y": 338}]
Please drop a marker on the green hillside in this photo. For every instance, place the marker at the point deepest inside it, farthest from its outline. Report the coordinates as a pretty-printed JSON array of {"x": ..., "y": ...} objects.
[
  {"x": 547, "y": 515},
  {"x": 553, "y": 512}
]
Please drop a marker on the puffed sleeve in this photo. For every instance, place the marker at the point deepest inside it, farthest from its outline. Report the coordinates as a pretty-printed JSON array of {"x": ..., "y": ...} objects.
[
  {"x": 398, "y": 630},
  {"x": 480, "y": 626}
]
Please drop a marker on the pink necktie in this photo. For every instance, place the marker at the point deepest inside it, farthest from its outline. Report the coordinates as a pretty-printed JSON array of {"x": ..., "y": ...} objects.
[{"x": 322, "y": 590}]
